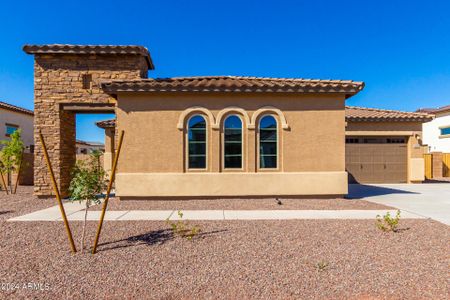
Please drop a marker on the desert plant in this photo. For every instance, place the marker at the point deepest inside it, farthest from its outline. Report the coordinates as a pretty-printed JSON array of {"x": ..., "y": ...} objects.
[
  {"x": 87, "y": 184},
  {"x": 183, "y": 228},
  {"x": 387, "y": 222},
  {"x": 11, "y": 154},
  {"x": 322, "y": 266}
]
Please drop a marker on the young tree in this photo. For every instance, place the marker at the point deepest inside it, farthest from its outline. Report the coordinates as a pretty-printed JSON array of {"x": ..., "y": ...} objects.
[
  {"x": 11, "y": 154},
  {"x": 87, "y": 184}
]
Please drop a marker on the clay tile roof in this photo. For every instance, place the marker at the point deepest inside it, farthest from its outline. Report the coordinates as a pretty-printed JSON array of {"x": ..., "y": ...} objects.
[
  {"x": 90, "y": 49},
  {"x": 18, "y": 109},
  {"x": 434, "y": 111},
  {"x": 106, "y": 123},
  {"x": 360, "y": 114},
  {"x": 234, "y": 84}
]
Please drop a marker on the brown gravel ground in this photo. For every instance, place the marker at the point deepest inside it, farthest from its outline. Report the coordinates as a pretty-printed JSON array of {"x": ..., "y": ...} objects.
[
  {"x": 22, "y": 203},
  {"x": 242, "y": 204},
  {"x": 229, "y": 259}
]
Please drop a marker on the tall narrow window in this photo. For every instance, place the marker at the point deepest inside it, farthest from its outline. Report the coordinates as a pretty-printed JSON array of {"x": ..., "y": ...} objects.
[
  {"x": 232, "y": 142},
  {"x": 267, "y": 142},
  {"x": 197, "y": 142}
]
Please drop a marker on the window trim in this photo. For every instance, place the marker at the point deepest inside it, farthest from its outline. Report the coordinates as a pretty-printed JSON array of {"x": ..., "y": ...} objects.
[
  {"x": 10, "y": 125},
  {"x": 186, "y": 135},
  {"x": 222, "y": 156},
  {"x": 258, "y": 134}
]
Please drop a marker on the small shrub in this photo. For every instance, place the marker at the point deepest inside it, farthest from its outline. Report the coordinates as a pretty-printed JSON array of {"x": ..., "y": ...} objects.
[
  {"x": 322, "y": 266},
  {"x": 182, "y": 228},
  {"x": 11, "y": 154},
  {"x": 87, "y": 184},
  {"x": 388, "y": 223}
]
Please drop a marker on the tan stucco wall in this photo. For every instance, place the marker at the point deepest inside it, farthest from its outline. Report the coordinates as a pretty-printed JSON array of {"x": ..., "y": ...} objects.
[
  {"x": 108, "y": 156},
  {"x": 411, "y": 130},
  {"x": 314, "y": 141},
  {"x": 24, "y": 121},
  {"x": 231, "y": 184}
]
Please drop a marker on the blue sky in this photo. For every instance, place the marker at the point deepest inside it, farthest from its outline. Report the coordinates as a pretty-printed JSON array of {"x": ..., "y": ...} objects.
[{"x": 401, "y": 49}]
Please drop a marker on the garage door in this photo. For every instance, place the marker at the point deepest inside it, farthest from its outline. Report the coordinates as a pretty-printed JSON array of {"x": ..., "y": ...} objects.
[{"x": 376, "y": 160}]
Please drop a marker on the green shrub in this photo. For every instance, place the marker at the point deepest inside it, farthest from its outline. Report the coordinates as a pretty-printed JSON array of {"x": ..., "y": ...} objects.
[
  {"x": 87, "y": 184},
  {"x": 183, "y": 228},
  {"x": 322, "y": 266},
  {"x": 388, "y": 223},
  {"x": 11, "y": 154}
]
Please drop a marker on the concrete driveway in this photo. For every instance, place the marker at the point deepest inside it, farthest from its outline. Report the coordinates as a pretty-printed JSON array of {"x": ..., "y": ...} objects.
[{"x": 431, "y": 200}]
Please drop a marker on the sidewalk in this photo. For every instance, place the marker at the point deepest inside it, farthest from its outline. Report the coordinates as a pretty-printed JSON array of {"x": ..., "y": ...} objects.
[{"x": 75, "y": 212}]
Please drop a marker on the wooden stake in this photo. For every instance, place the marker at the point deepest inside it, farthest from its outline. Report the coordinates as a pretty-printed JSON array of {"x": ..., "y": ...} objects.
[
  {"x": 58, "y": 196},
  {"x": 105, "y": 204},
  {"x": 18, "y": 173},
  {"x": 4, "y": 183}
]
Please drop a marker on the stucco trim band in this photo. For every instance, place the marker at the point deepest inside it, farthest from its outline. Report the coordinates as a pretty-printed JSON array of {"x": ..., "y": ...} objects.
[
  {"x": 189, "y": 111},
  {"x": 215, "y": 122},
  {"x": 230, "y": 184},
  {"x": 379, "y": 133},
  {"x": 268, "y": 109}
]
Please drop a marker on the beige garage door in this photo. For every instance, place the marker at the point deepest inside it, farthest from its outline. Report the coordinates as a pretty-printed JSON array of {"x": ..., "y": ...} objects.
[{"x": 376, "y": 160}]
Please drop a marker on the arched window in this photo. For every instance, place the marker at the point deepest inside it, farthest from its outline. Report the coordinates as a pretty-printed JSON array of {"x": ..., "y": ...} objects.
[
  {"x": 268, "y": 142},
  {"x": 197, "y": 142},
  {"x": 232, "y": 142}
]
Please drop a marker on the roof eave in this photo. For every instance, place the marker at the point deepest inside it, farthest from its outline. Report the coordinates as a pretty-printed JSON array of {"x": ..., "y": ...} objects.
[
  {"x": 37, "y": 49},
  {"x": 368, "y": 119}
]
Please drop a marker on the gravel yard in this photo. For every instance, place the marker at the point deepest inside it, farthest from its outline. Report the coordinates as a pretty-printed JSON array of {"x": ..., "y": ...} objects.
[
  {"x": 242, "y": 204},
  {"x": 229, "y": 259},
  {"x": 22, "y": 203}
]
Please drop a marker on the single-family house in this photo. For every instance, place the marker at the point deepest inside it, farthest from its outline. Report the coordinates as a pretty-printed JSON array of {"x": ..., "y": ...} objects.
[
  {"x": 216, "y": 136},
  {"x": 382, "y": 146}
]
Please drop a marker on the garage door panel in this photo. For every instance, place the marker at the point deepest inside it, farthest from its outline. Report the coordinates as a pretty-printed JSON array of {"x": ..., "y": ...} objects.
[{"x": 377, "y": 163}]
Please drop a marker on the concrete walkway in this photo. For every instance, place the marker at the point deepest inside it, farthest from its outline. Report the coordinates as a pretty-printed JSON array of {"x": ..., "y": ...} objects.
[
  {"x": 430, "y": 200},
  {"x": 76, "y": 213}
]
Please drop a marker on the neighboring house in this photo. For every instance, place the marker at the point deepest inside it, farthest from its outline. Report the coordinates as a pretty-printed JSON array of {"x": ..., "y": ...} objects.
[
  {"x": 436, "y": 133},
  {"x": 84, "y": 147},
  {"x": 14, "y": 117},
  {"x": 384, "y": 146}
]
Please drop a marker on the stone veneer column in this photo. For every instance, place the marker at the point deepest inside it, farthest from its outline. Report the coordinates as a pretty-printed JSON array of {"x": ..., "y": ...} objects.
[{"x": 58, "y": 80}]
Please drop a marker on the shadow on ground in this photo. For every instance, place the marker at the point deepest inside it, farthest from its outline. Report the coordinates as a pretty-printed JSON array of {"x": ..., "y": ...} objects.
[
  {"x": 437, "y": 180},
  {"x": 359, "y": 191},
  {"x": 6, "y": 212},
  {"x": 156, "y": 237}
]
